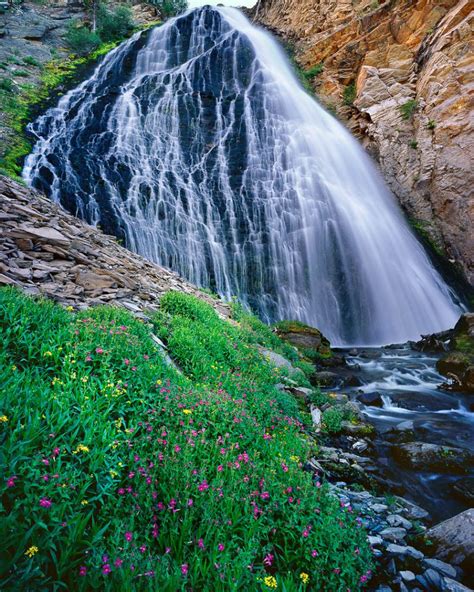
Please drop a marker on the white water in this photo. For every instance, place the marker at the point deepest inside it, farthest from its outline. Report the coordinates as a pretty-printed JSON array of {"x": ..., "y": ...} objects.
[{"x": 209, "y": 158}]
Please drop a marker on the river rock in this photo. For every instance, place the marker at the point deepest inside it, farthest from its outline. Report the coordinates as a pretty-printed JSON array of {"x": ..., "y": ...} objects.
[
  {"x": 305, "y": 338},
  {"x": 424, "y": 456},
  {"x": 443, "y": 568},
  {"x": 453, "y": 539},
  {"x": 370, "y": 399},
  {"x": 393, "y": 533},
  {"x": 464, "y": 489},
  {"x": 396, "y": 520},
  {"x": 407, "y": 576},
  {"x": 404, "y": 551},
  {"x": 431, "y": 580},
  {"x": 451, "y": 585},
  {"x": 325, "y": 378}
]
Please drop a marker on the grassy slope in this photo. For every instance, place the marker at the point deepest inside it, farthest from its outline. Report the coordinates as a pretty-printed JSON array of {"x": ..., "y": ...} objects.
[{"x": 138, "y": 477}]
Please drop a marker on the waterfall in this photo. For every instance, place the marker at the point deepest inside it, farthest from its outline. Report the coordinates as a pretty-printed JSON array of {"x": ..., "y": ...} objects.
[{"x": 196, "y": 144}]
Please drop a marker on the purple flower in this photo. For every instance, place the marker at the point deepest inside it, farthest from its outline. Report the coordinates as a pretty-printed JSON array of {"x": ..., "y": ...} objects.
[
  {"x": 184, "y": 569},
  {"x": 11, "y": 481},
  {"x": 82, "y": 570},
  {"x": 128, "y": 536},
  {"x": 220, "y": 546},
  {"x": 45, "y": 503}
]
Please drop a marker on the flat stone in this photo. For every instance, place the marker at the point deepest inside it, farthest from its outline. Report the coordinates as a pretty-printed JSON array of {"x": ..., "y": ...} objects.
[
  {"x": 393, "y": 534},
  {"x": 44, "y": 233},
  {"x": 408, "y": 576},
  {"x": 451, "y": 585},
  {"x": 404, "y": 551},
  {"x": 441, "y": 567},
  {"x": 378, "y": 508},
  {"x": 433, "y": 579},
  {"x": 374, "y": 540}
]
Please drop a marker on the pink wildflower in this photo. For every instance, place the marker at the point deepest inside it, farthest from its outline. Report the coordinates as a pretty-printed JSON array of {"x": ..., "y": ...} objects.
[
  {"x": 184, "y": 569},
  {"x": 11, "y": 481},
  {"x": 82, "y": 570},
  {"x": 45, "y": 503},
  {"x": 128, "y": 536}
]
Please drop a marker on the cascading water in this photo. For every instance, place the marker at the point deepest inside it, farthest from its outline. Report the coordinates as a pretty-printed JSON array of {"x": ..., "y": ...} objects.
[{"x": 197, "y": 145}]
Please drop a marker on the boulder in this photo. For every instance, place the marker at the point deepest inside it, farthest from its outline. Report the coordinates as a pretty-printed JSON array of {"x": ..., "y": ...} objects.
[
  {"x": 370, "y": 399},
  {"x": 424, "y": 456},
  {"x": 453, "y": 539},
  {"x": 280, "y": 362},
  {"x": 325, "y": 378},
  {"x": 307, "y": 339},
  {"x": 464, "y": 489}
]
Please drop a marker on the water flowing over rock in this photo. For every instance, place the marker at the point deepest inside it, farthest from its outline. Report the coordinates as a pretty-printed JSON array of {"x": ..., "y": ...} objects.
[{"x": 196, "y": 145}]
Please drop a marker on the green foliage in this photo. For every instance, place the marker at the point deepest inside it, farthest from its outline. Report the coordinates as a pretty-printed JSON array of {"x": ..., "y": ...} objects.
[
  {"x": 21, "y": 73},
  {"x": 349, "y": 94},
  {"x": 80, "y": 39},
  {"x": 431, "y": 125},
  {"x": 332, "y": 420},
  {"x": 170, "y": 8},
  {"x": 314, "y": 71},
  {"x": 408, "y": 109},
  {"x": 114, "y": 24},
  {"x": 413, "y": 144},
  {"x": 31, "y": 61},
  {"x": 6, "y": 85},
  {"x": 318, "y": 398},
  {"x": 120, "y": 473}
]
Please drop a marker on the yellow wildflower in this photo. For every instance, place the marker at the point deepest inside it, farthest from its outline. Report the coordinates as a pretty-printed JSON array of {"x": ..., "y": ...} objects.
[
  {"x": 187, "y": 411},
  {"x": 84, "y": 503},
  {"x": 47, "y": 354},
  {"x": 70, "y": 308},
  {"x": 304, "y": 577},
  {"x": 14, "y": 368},
  {"x": 113, "y": 473},
  {"x": 81, "y": 448},
  {"x": 84, "y": 378},
  {"x": 31, "y": 551},
  {"x": 3, "y": 419},
  {"x": 270, "y": 581},
  {"x": 295, "y": 459}
]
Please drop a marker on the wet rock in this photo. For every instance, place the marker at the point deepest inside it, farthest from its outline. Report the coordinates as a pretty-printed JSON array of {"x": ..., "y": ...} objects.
[
  {"x": 451, "y": 585},
  {"x": 424, "y": 456},
  {"x": 424, "y": 402},
  {"x": 407, "y": 576},
  {"x": 396, "y": 520},
  {"x": 440, "y": 566},
  {"x": 325, "y": 378},
  {"x": 464, "y": 489},
  {"x": 378, "y": 508},
  {"x": 431, "y": 580},
  {"x": 411, "y": 510},
  {"x": 370, "y": 399},
  {"x": 393, "y": 533},
  {"x": 280, "y": 362},
  {"x": 453, "y": 539},
  {"x": 404, "y": 551}
]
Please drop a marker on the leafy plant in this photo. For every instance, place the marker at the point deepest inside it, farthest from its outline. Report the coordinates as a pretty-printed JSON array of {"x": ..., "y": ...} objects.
[
  {"x": 170, "y": 7},
  {"x": 31, "y": 61},
  {"x": 314, "y": 71},
  {"x": 80, "y": 39},
  {"x": 413, "y": 144},
  {"x": 332, "y": 420},
  {"x": 408, "y": 109},
  {"x": 114, "y": 24},
  {"x": 349, "y": 94}
]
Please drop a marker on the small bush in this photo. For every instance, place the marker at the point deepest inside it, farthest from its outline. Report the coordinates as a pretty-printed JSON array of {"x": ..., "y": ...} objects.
[
  {"x": 413, "y": 144},
  {"x": 408, "y": 109},
  {"x": 314, "y": 71},
  {"x": 170, "y": 8},
  {"x": 349, "y": 94},
  {"x": 332, "y": 420},
  {"x": 6, "y": 85},
  {"x": 21, "y": 73},
  {"x": 81, "y": 40},
  {"x": 431, "y": 124},
  {"x": 31, "y": 61},
  {"x": 114, "y": 24}
]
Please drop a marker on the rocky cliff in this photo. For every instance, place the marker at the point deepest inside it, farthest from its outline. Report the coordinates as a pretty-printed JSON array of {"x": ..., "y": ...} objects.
[
  {"x": 401, "y": 74},
  {"x": 45, "y": 250}
]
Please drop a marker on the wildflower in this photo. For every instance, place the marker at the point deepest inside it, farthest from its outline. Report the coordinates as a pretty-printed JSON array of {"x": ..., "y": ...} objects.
[
  {"x": 143, "y": 549},
  {"x": 187, "y": 411},
  {"x": 69, "y": 308},
  {"x": 268, "y": 559},
  {"x": 128, "y": 536},
  {"x": 45, "y": 503},
  {"x": 184, "y": 569},
  {"x": 314, "y": 553},
  {"x": 84, "y": 502},
  {"x": 14, "y": 368},
  {"x": 190, "y": 502},
  {"x": 220, "y": 547},
  {"x": 106, "y": 569},
  {"x": 82, "y": 571},
  {"x": 201, "y": 544},
  {"x": 31, "y": 551},
  {"x": 84, "y": 379},
  {"x": 304, "y": 577},
  {"x": 3, "y": 419},
  {"x": 11, "y": 481},
  {"x": 118, "y": 562},
  {"x": 220, "y": 468},
  {"x": 270, "y": 581},
  {"x": 203, "y": 486},
  {"x": 99, "y": 350},
  {"x": 47, "y": 354},
  {"x": 81, "y": 448}
]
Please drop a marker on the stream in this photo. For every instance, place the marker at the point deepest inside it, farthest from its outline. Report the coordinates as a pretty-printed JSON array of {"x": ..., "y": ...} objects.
[{"x": 408, "y": 384}]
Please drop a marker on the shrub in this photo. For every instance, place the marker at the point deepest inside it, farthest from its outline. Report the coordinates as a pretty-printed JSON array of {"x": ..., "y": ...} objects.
[
  {"x": 120, "y": 473},
  {"x": 115, "y": 24},
  {"x": 6, "y": 85},
  {"x": 170, "y": 7},
  {"x": 413, "y": 144},
  {"x": 31, "y": 61},
  {"x": 314, "y": 71},
  {"x": 80, "y": 39},
  {"x": 332, "y": 420},
  {"x": 349, "y": 94},
  {"x": 408, "y": 109}
]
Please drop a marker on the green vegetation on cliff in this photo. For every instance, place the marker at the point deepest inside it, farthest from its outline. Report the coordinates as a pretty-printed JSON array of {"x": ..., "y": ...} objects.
[{"x": 124, "y": 470}]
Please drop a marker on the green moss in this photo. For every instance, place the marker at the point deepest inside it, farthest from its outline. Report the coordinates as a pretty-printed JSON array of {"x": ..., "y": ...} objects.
[
  {"x": 313, "y": 72},
  {"x": 421, "y": 227},
  {"x": 349, "y": 94}
]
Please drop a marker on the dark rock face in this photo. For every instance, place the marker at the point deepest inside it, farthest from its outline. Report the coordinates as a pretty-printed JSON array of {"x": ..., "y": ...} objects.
[
  {"x": 424, "y": 456},
  {"x": 458, "y": 365},
  {"x": 453, "y": 539}
]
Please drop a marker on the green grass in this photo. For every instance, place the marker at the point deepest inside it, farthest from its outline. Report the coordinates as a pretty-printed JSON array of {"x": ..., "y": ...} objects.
[
  {"x": 349, "y": 94},
  {"x": 408, "y": 109},
  {"x": 313, "y": 71},
  {"x": 138, "y": 476}
]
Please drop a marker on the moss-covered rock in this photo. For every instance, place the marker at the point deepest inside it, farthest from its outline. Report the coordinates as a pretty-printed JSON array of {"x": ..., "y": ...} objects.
[
  {"x": 458, "y": 364},
  {"x": 308, "y": 340}
]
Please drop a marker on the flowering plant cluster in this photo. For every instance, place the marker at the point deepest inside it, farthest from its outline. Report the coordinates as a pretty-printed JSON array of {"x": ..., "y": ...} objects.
[{"x": 124, "y": 471}]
